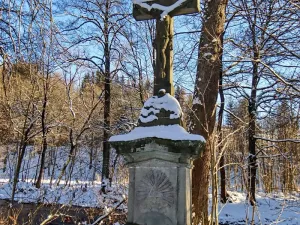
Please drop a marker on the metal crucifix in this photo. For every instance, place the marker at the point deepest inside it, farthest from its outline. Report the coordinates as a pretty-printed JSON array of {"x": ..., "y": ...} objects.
[{"x": 163, "y": 11}]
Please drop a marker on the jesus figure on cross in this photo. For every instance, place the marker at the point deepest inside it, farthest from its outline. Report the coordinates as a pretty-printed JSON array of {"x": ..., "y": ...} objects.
[{"x": 163, "y": 11}]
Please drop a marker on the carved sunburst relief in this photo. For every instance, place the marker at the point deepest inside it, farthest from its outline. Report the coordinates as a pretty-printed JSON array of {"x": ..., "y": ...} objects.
[{"x": 155, "y": 190}]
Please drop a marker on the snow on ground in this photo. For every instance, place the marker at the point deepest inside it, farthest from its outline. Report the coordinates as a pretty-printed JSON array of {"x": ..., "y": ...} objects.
[
  {"x": 80, "y": 185},
  {"x": 271, "y": 209},
  {"x": 274, "y": 208},
  {"x": 74, "y": 195}
]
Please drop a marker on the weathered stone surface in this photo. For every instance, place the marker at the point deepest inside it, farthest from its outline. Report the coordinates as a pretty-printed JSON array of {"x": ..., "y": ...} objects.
[
  {"x": 159, "y": 180},
  {"x": 159, "y": 193},
  {"x": 155, "y": 195},
  {"x": 163, "y": 73},
  {"x": 159, "y": 168},
  {"x": 154, "y": 147},
  {"x": 160, "y": 163}
]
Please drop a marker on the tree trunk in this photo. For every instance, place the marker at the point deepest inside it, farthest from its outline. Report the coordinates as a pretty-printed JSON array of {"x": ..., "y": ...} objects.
[
  {"x": 219, "y": 130},
  {"x": 21, "y": 154},
  {"x": 44, "y": 133},
  {"x": 204, "y": 102},
  {"x": 91, "y": 152},
  {"x": 70, "y": 157},
  {"x": 106, "y": 132},
  {"x": 42, "y": 164},
  {"x": 53, "y": 166},
  {"x": 252, "y": 127},
  {"x": 220, "y": 139}
]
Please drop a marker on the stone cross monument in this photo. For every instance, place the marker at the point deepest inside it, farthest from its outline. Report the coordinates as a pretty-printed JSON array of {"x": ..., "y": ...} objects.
[
  {"x": 163, "y": 11},
  {"x": 159, "y": 151}
]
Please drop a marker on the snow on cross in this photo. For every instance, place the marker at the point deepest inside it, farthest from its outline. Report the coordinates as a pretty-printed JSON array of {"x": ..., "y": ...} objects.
[
  {"x": 165, "y": 9},
  {"x": 145, "y": 9}
]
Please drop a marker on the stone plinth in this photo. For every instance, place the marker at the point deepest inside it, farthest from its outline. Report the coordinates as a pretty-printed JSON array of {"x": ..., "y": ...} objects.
[
  {"x": 159, "y": 180},
  {"x": 159, "y": 157}
]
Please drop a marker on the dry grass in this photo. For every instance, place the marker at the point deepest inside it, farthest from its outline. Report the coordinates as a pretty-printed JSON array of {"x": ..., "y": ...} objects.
[{"x": 11, "y": 218}]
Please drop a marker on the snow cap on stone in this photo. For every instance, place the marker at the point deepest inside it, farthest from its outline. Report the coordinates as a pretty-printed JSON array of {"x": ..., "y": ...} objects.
[{"x": 163, "y": 109}]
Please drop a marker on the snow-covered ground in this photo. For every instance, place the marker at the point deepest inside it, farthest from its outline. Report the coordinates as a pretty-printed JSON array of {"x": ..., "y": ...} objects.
[
  {"x": 271, "y": 209},
  {"x": 84, "y": 190},
  {"x": 76, "y": 194},
  {"x": 80, "y": 185}
]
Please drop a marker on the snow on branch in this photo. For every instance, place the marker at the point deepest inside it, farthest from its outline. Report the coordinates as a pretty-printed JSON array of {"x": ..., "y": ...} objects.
[
  {"x": 279, "y": 140},
  {"x": 165, "y": 9}
]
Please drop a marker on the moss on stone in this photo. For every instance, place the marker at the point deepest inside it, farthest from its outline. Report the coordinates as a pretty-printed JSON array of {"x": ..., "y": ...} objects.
[{"x": 181, "y": 146}]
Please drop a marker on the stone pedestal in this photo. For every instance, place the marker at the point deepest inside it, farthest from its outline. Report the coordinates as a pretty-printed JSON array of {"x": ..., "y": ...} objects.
[
  {"x": 159, "y": 158},
  {"x": 160, "y": 183}
]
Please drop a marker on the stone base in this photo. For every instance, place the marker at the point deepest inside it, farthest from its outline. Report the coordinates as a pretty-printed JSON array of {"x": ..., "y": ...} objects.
[
  {"x": 159, "y": 154},
  {"x": 159, "y": 179},
  {"x": 159, "y": 193}
]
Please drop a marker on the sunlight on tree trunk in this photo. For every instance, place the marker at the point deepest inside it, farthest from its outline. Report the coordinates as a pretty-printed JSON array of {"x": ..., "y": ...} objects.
[{"x": 202, "y": 120}]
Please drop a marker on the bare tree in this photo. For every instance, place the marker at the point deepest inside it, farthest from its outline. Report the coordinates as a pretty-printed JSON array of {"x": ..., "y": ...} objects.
[
  {"x": 255, "y": 57},
  {"x": 101, "y": 23},
  {"x": 205, "y": 97},
  {"x": 78, "y": 124}
]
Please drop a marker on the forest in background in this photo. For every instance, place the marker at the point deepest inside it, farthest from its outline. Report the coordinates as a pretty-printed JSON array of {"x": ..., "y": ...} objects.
[{"x": 74, "y": 73}]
